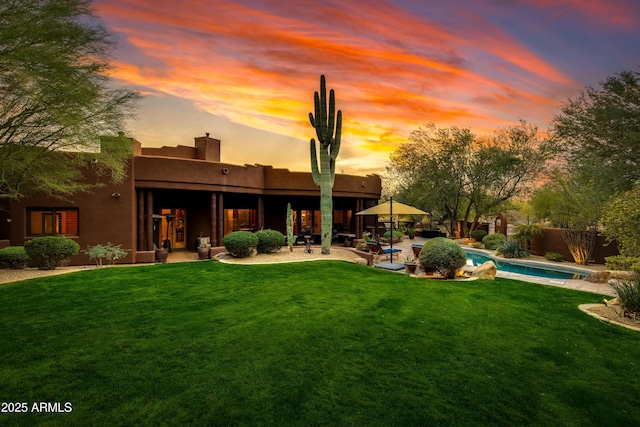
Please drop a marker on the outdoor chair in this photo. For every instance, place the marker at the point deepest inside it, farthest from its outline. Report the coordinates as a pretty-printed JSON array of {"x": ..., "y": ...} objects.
[{"x": 379, "y": 251}]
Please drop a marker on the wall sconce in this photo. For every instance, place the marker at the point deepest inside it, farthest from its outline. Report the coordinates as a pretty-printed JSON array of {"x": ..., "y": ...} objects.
[
  {"x": 225, "y": 171},
  {"x": 116, "y": 195}
]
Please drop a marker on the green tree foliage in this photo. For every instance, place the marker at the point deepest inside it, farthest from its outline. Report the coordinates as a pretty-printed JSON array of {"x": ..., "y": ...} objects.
[
  {"x": 325, "y": 121},
  {"x": 621, "y": 218},
  {"x": 457, "y": 175},
  {"x": 574, "y": 207},
  {"x": 55, "y": 99},
  {"x": 599, "y": 133}
]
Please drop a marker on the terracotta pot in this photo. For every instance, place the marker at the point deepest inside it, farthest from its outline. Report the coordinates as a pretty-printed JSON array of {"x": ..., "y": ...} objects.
[
  {"x": 203, "y": 253},
  {"x": 161, "y": 255},
  {"x": 410, "y": 267}
]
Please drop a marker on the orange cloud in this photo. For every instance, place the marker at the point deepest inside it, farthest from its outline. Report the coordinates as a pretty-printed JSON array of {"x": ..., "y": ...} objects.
[{"x": 393, "y": 70}]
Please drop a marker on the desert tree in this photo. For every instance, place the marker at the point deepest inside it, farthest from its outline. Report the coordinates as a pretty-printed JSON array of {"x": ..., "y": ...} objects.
[{"x": 59, "y": 114}]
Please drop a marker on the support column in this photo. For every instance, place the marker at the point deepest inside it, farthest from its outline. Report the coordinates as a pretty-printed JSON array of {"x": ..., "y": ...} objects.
[
  {"x": 148, "y": 216},
  {"x": 260, "y": 213},
  {"x": 213, "y": 219},
  {"x": 140, "y": 244},
  {"x": 220, "y": 219},
  {"x": 359, "y": 219}
]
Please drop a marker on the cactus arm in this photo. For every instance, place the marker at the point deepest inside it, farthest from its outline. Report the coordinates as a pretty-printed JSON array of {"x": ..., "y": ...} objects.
[
  {"x": 315, "y": 172},
  {"x": 335, "y": 146},
  {"x": 332, "y": 112},
  {"x": 322, "y": 106},
  {"x": 313, "y": 123}
]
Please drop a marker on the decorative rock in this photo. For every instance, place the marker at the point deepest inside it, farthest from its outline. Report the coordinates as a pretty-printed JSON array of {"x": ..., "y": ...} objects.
[
  {"x": 605, "y": 276},
  {"x": 487, "y": 271},
  {"x": 360, "y": 261}
]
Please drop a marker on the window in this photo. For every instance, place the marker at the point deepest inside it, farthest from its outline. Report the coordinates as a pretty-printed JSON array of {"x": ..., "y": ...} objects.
[
  {"x": 240, "y": 219},
  {"x": 42, "y": 222}
]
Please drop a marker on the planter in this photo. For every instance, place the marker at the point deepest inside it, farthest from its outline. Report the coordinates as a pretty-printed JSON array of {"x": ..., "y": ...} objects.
[
  {"x": 410, "y": 267},
  {"x": 203, "y": 253},
  {"x": 161, "y": 255}
]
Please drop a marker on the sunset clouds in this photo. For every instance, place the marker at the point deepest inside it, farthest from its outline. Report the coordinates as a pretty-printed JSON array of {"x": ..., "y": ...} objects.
[{"x": 246, "y": 70}]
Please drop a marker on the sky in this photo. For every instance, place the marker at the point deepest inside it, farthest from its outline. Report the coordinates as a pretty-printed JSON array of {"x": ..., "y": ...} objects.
[{"x": 245, "y": 71}]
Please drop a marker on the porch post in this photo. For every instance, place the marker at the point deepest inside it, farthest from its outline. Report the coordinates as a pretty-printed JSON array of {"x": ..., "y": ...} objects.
[
  {"x": 140, "y": 245},
  {"x": 149, "y": 220},
  {"x": 213, "y": 219},
  {"x": 220, "y": 219},
  {"x": 359, "y": 219},
  {"x": 260, "y": 212}
]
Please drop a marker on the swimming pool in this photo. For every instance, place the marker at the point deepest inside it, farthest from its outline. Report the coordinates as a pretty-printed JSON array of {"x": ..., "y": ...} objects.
[{"x": 528, "y": 268}]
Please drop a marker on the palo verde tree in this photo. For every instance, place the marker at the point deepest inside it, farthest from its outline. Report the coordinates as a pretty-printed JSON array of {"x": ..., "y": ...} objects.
[
  {"x": 58, "y": 115},
  {"x": 326, "y": 122},
  {"x": 598, "y": 132},
  {"x": 575, "y": 208}
]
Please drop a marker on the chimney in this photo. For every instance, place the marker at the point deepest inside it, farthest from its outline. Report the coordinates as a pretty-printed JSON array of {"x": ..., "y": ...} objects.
[{"x": 208, "y": 148}]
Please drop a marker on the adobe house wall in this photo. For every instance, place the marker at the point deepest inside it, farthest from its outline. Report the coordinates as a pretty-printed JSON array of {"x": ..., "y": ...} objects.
[{"x": 103, "y": 217}]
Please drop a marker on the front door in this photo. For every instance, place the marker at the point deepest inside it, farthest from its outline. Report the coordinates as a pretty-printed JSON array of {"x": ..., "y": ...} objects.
[{"x": 174, "y": 228}]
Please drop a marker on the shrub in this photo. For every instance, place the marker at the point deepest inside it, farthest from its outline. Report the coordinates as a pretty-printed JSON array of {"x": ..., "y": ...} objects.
[
  {"x": 269, "y": 241},
  {"x": 620, "y": 262},
  {"x": 240, "y": 244},
  {"x": 554, "y": 256},
  {"x": 108, "y": 253},
  {"x": 477, "y": 245},
  {"x": 478, "y": 235},
  {"x": 443, "y": 256},
  {"x": 49, "y": 252},
  {"x": 14, "y": 257},
  {"x": 512, "y": 249},
  {"x": 396, "y": 233},
  {"x": 628, "y": 293},
  {"x": 492, "y": 241}
]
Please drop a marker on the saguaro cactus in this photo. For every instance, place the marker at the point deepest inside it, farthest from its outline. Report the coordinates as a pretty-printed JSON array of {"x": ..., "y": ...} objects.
[
  {"x": 289, "y": 227},
  {"x": 324, "y": 173}
]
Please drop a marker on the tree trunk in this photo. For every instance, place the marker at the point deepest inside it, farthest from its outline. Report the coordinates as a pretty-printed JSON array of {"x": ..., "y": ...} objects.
[{"x": 580, "y": 242}]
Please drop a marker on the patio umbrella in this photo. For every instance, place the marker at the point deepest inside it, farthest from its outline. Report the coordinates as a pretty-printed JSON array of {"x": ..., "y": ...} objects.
[{"x": 391, "y": 209}]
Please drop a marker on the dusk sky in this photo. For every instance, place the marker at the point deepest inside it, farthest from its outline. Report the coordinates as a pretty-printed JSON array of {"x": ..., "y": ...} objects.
[{"x": 245, "y": 71}]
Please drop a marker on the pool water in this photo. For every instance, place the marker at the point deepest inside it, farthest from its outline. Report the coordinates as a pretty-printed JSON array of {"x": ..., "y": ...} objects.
[{"x": 477, "y": 259}]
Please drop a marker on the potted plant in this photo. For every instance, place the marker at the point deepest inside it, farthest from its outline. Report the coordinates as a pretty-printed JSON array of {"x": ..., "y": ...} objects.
[
  {"x": 203, "y": 247},
  {"x": 410, "y": 264},
  {"x": 411, "y": 232}
]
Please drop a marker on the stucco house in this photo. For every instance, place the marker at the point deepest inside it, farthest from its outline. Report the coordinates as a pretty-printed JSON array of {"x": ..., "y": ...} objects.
[{"x": 182, "y": 193}]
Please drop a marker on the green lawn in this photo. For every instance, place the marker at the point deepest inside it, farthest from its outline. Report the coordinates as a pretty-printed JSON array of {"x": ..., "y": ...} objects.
[{"x": 322, "y": 343}]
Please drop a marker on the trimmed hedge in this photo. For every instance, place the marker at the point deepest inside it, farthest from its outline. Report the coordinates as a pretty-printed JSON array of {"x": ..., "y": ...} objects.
[
  {"x": 14, "y": 257},
  {"x": 478, "y": 235},
  {"x": 554, "y": 256},
  {"x": 492, "y": 241},
  {"x": 443, "y": 256},
  {"x": 240, "y": 244},
  {"x": 49, "y": 252},
  {"x": 269, "y": 241}
]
